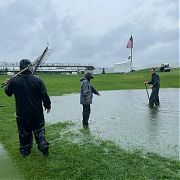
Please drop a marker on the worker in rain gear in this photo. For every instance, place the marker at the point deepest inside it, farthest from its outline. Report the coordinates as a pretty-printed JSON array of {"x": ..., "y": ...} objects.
[
  {"x": 87, "y": 91},
  {"x": 30, "y": 97},
  {"x": 155, "y": 84}
]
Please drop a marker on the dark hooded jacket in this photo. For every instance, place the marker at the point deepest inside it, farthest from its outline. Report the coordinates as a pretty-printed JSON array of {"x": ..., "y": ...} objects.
[
  {"x": 155, "y": 81},
  {"x": 87, "y": 91},
  {"x": 30, "y": 93}
]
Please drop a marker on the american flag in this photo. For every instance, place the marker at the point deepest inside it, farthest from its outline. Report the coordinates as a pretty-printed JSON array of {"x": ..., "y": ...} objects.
[{"x": 130, "y": 43}]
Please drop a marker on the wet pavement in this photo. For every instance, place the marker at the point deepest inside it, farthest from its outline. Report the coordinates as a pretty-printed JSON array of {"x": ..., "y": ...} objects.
[
  {"x": 2, "y": 151},
  {"x": 124, "y": 117},
  {"x": 8, "y": 169}
]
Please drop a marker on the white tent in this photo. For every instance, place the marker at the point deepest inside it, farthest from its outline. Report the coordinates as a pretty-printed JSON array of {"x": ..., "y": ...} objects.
[{"x": 122, "y": 67}]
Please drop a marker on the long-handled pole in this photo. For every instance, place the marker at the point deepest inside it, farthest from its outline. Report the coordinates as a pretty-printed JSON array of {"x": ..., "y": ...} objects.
[
  {"x": 4, "y": 83},
  {"x": 146, "y": 90},
  {"x": 34, "y": 65}
]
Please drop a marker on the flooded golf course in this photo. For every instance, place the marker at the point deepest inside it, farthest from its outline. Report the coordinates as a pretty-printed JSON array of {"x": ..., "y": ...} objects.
[{"x": 123, "y": 117}]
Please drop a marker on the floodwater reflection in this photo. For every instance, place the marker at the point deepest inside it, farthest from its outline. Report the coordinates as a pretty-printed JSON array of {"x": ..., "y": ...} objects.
[{"x": 124, "y": 117}]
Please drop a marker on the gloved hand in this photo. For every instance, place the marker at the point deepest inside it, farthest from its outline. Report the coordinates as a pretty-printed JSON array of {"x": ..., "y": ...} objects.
[{"x": 47, "y": 110}]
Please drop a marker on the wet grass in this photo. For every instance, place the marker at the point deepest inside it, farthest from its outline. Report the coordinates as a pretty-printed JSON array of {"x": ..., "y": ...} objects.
[
  {"x": 80, "y": 155},
  {"x": 61, "y": 84},
  {"x": 58, "y": 84}
]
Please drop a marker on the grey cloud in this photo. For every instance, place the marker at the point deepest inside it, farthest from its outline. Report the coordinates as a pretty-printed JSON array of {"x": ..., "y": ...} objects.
[{"x": 26, "y": 27}]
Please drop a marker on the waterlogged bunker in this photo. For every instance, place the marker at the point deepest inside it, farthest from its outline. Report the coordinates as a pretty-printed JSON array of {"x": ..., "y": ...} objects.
[{"x": 124, "y": 117}]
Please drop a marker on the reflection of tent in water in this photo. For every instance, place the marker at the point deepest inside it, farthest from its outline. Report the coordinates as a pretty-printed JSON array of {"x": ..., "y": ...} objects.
[{"x": 122, "y": 67}]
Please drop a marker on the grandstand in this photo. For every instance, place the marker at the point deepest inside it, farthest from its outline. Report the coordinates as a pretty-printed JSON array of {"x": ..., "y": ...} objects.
[{"x": 71, "y": 68}]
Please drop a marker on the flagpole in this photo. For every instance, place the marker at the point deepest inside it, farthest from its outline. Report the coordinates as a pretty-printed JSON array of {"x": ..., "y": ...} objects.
[
  {"x": 130, "y": 46},
  {"x": 131, "y": 59},
  {"x": 131, "y": 55}
]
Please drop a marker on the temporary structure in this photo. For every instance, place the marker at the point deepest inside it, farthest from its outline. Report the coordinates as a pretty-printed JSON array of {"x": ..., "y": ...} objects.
[{"x": 122, "y": 67}]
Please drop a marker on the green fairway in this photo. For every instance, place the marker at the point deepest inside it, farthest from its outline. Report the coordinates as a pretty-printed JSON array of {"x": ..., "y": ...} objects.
[
  {"x": 80, "y": 155},
  {"x": 60, "y": 84}
]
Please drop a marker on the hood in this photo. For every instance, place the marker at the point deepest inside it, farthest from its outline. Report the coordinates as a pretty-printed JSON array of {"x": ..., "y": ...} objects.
[
  {"x": 23, "y": 64},
  {"x": 88, "y": 75}
]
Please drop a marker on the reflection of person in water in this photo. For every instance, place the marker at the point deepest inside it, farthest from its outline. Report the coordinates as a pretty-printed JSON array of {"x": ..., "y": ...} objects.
[
  {"x": 155, "y": 84},
  {"x": 153, "y": 127}
]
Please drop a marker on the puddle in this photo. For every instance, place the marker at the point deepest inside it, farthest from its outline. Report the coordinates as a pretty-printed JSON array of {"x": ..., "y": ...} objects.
[{"x": 124, "y": 117}]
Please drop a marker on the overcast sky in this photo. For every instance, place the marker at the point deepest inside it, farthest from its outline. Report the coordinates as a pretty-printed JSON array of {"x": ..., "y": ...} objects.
[{"x": 90, "y": 31}]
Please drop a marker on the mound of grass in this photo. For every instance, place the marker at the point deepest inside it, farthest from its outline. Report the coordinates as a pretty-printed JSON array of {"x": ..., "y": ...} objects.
[
  {"x": 58, "y": 84},
  {"x": 62, "y": 84}
]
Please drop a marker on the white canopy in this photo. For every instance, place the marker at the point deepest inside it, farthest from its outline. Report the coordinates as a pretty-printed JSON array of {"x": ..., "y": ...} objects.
[{"x": 122, "y": 67}]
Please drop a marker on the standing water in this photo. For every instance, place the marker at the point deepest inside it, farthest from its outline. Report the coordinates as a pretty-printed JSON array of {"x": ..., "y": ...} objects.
[{"x": 123, "y": 116}]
